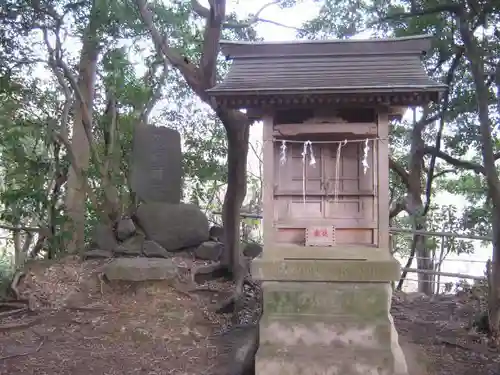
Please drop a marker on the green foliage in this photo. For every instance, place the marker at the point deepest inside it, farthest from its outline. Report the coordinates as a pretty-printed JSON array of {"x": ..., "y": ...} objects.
[
  {"x": 6, "y": 273},
  {"x": 131, "y": 74},
  {"x": 461, "y": 139},
  {"x": 131, "y": 80}
]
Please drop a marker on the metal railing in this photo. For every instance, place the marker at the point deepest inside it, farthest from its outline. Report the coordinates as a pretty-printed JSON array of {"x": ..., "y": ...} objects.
[{"x": 409, "y": 232}]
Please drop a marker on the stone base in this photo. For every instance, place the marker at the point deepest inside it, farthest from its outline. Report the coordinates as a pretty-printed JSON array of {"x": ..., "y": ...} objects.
[
  {"x": 347, "y": 263},
  {"x": 326, "y": 326}
]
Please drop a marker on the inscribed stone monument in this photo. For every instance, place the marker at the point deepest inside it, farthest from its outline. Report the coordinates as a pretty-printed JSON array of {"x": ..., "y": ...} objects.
[{"x": 157, "y": 164}]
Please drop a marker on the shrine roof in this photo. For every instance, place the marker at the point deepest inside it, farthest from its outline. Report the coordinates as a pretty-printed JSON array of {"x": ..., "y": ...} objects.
[{"x": 352, "y": 66}]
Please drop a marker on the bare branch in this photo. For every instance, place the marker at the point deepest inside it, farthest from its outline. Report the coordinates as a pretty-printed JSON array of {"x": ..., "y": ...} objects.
[
  {"x": 56, "y": 62},
  {"x": 264, "y": 20},
  {"x": 451, "y": 7},
  {"x": 27, "y": 243},
  {"x": 112, "y": 114},
  {"x": 428, "y": 150},
  {"x": 203, "y": 12},
  {"x": 23, "y": 229},
  {"x": 445, "y": 172},
  {"x": 397, "y": 209},
  {"x": 444, "y": 107},
  {"x": 199, "y": 9},
  {"x": 156, "y": 95},
  {"x": 211, "y": 38},
  {"x": 257, "y": 154},
  {"x": 190, "y": 72},
  {"x": 400, "y": 171},
  {"x": 79, "y": 172}
]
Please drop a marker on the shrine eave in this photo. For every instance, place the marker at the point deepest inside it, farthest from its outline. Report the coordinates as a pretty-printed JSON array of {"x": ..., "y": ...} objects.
[
  {"x": 414, "y": 44},
  {"x": 286, "y": 98},
  {"x": 386, "y": 70}
]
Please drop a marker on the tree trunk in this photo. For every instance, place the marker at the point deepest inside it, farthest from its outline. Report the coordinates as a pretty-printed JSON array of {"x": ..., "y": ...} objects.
[
  {"x": 414, "y": 204},
  {"x": 408, "y": 264},
  {"x": 494, "y": 279},
  {"x": 75, "y": 196},
  {"x": 440, "y": 264},
  {"x": 474, "y": 54},
  {"x": 423, "y": 263},
  {"x": 238, "y": 138},
  {"x": 18, "y": 256}
]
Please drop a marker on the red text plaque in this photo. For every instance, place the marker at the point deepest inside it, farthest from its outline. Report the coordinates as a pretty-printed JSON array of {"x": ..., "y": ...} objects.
[{"x": 320, "y": 236}]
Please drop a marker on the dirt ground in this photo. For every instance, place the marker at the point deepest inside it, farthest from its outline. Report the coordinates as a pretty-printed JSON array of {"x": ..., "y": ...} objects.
[
  {"x": 438, "y": 338},
  {"x": 80, "y": 325}
]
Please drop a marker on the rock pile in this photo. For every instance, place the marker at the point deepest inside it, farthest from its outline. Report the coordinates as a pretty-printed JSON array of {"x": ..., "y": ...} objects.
[
  {"x": 145, "y": 245},
  {"x": 162, "y": 230}
]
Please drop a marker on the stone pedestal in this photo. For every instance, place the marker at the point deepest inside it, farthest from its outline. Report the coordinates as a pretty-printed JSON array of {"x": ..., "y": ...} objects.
[{"x": 326, "y": 312}]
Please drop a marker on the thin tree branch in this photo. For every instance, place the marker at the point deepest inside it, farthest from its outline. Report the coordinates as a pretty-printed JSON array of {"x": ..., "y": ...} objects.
[
  {"x": 397, "y": 209},
  {"x": 400, "y": 171},
  {"x": 156, "y": 95},
  {"x": 79, "y": 172},
  {"x": 445, "y": 103},
  {"x": 204, "y": 12},
  {"x": 190, "y": 72},
  {"x": 402, "y": 279},
  {"x": 23, "y": 229},
  {"x": 211, "y": 38},
  {"x": 55, "y": 62},
  {"x": 450, "y": 7},
  {"x": 445, "y": 172},
  {"x": 243, "y": 25},
  {"x": 459, "y": 163}
]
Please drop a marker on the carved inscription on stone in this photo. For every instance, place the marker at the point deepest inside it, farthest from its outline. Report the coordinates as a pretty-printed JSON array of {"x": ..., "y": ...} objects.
[
  {"x": 331, "y": 270},
  {"x": 157, "y": 164}
]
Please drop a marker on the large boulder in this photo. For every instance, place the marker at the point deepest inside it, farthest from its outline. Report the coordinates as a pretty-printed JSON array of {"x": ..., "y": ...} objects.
[
  {"x": 173, "y": 226},
  {"x": 217, "y": 233},
  {"x": 130, "y": 247},
  {"x": 252, "y": 250},
  {"x": 209, "y": 250},
  {"x": 125, "y": 229},
  {"x": 103, "y": 238},
  {"x": 154, "y": 250},
  {"x": 97, "y": 254}
]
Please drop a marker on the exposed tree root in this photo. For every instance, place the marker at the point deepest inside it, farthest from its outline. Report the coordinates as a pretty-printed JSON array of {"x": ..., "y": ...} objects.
[
  {"x": 20, "y": 326},
  {"x": 91, "y": 308},
  {"x": 206, "y": 289},
  {"x": 13, "y": 304},
  {"x": 226, "y": 306},
  {"x": 233, "y": 328},
  {"x": 208, "y": 272},
  {"x": 232, "y": 303},
  {"x": 25, "y": 353},
  {"x": 16, "y": 280},
  {"x": 179, "y": 288},
  {"x": 15, "y": 308}
]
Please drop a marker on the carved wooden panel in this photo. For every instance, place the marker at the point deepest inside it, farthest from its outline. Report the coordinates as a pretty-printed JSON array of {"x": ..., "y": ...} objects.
[
  {"x": 342, "y": 236},
  {"x": 337, "y": 193},
  {"x": 289, "y": 177}
]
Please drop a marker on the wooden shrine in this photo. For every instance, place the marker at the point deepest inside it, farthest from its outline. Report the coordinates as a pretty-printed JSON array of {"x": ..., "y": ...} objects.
[{"x": 326, "y": 268}]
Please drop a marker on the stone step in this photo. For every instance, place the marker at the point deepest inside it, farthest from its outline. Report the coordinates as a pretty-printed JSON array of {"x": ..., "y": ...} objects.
[
  {"x": 288, "y": 331},
  {"x": 357, "y": 301},
  {"x": 321, "y": 360}
]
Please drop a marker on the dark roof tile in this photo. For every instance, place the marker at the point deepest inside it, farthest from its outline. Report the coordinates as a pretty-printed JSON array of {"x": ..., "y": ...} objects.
[{"x": 326, "y": 66}]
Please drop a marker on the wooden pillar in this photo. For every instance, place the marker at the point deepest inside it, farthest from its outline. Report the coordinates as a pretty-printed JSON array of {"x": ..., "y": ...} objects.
[
  {"x": 383, "y": 178},
  {"x": 268, "y": 183}
]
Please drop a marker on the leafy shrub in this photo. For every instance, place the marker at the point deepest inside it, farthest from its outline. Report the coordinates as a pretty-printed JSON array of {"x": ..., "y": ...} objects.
[{"x": 6, "y": 274}]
